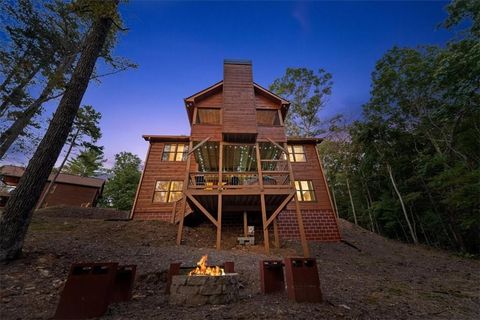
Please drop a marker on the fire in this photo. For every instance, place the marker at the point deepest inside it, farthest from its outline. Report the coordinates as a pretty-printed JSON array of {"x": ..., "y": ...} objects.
[{"x": 203, "y": 270}]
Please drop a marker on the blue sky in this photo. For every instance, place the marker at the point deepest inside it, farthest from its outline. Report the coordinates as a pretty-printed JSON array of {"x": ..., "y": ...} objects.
[{"x": 180, "y": 48}]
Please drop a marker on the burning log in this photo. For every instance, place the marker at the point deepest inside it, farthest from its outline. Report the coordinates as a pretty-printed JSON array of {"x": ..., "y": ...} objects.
[{"x": 203, "y": 270}]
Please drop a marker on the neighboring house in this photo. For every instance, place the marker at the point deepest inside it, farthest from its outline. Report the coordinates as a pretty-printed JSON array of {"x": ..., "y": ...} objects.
[
  {"x": 68, "y": 190},
  {"x": 234, "y": 170}
]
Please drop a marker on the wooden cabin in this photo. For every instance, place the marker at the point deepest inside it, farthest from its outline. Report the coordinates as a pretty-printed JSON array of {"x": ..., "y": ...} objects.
[
  {"x": 237, "y": 167},
  {"x": 68, "y": 190}
]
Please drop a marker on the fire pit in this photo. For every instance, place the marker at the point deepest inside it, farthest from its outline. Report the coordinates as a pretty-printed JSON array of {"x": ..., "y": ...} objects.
[{"x": 204, "y": 285}]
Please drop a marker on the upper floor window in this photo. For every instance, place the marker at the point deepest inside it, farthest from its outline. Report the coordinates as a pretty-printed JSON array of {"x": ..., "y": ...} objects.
[
  {"x": 208, "y": 116},
  {"x": 175, "y": 152},
  {"x": 268, "y": 117},
  {"x": 305, "y": 190},
  {"x": 168, "y": 191},
  {"x": 297, "y": 153}
]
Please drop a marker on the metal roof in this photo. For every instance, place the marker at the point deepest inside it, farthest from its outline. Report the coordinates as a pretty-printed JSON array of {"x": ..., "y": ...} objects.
[{"x": 16, "y": 171}]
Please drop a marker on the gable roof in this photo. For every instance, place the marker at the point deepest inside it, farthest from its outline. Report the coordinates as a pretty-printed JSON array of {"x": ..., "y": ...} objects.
[
  {"x": 220, "y": 84},
  {"x": 16, "y": 171}
]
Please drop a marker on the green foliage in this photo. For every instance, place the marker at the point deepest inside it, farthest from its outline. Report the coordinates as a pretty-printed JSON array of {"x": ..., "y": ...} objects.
[
  {"x": 88, "y": 163},
  {"x": 459, "y": 10},
  {"x": 86, "y": 125},
  {"x": 42, "y": 41},
  {"x": 307, "y": 92},
  {"x": 422, "y": 122},
  {"x": 120, "y": 188}
]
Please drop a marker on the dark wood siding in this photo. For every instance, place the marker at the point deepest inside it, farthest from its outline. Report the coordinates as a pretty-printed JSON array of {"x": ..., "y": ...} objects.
[
  {"x": 156, "y": 169},
  {"x": 310, "y": 170},
  {"x": 70, "y": 195}
]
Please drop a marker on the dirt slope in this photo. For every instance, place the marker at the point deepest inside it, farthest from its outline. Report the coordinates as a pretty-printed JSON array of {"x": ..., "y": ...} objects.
[{"x": 385, "y": 280}]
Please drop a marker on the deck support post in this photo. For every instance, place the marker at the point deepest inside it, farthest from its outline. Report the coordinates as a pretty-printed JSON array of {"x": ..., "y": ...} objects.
[
  {"x": 301, "y": 227},
  {"x": 266, "y": 239},
  {"x": 184, "y": 204},
  {"x": 275, "y": 233},
  {"x": 219, "y": 222},
  {"x": 245, "y": 224},
  {"x": 220, "y": 188}
]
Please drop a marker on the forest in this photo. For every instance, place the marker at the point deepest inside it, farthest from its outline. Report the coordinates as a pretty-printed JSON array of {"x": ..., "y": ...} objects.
[{"x": 407, "y": 168}]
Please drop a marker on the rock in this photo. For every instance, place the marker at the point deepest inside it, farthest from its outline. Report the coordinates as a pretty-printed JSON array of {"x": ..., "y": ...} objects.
[
  {"x": 211, "y": 289},
  {"x": 197, "y": 280},
  {"x": 44, "y": 272}
]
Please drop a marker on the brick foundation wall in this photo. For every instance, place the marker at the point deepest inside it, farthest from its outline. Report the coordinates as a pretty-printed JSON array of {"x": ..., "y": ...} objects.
[
  {"x": 153, "y": 215},
  {"x": 320, "y": 225}
]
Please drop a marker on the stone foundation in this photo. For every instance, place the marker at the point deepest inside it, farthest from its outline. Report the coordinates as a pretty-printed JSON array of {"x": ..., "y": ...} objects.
[{"x": 200, "y": 290}]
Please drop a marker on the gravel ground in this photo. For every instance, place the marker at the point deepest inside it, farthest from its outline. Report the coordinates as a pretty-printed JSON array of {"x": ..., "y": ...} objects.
[{"x": 383, "y": 280}]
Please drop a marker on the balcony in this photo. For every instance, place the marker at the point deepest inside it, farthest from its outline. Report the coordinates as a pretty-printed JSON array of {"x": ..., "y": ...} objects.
[
  {"x": 240, "y": 166},
  {"x": 237, "y": 180}
]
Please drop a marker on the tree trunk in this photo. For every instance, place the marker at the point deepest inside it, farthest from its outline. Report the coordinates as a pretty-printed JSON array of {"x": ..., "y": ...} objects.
[
  {"x": 52, "y": 182},
  {"x": 19, "y": 209},
  {"x": 351, "y": 202},
  {"x": 412, "y": 233},
  {"x": 424, "y": 233},
  {"x": 24, "y": 119},
  {"x": 372, "y": 228}
]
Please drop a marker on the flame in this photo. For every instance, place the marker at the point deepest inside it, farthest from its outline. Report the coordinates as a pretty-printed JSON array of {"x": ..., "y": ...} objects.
[{"x": 203, "y": 270}]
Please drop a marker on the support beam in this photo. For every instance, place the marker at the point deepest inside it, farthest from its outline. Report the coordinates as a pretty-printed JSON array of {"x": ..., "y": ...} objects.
[
  {"x": 184, "y": 189},
  {"x": 245, "y": 224},
  {"x": 266, "y": 240},
  {"x": 204, "y": 211},
  {"x": 219, "y": 208},
  {"x": 303, "y": 237},
  {"x": 174, "y": 212},
  {"x": 280, "y": 208},
  {"x": 259, "y": 166},
  {"x": 197, "y": 146},
  {"x": 275, "y": 233},
  {"x": 180, "y": 224},
  {"x": 301, "y": 227},
  {"x": 284, "y": 149},
  {"x": 219, "y": 222}
]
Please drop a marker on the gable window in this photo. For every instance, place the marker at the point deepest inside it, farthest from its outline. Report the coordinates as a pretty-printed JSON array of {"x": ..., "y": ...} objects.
[
  {"x": 167, "y": 191},
  {"x": 297, "y": 153},
  {"x": 208, "y": 116},
  {"x": 175, "y": 152},
  {"x": 267, "y": 117},
  {"x": 305, "y": 190}
]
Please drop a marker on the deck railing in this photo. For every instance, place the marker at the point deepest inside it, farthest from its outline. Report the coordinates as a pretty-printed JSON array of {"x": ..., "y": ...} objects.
[{"x": 233, "y": 180}]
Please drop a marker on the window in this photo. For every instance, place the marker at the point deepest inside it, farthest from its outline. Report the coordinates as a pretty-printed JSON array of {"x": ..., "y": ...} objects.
[
  {"x": 208, "y": 116},
  {"x": 305, "y": 190},
  {"x": 297, "y": 153},
  {"x": 268, "y": 118},
  {"x": 168, "y": 191},
  {"x": 175, "y": 152}
]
